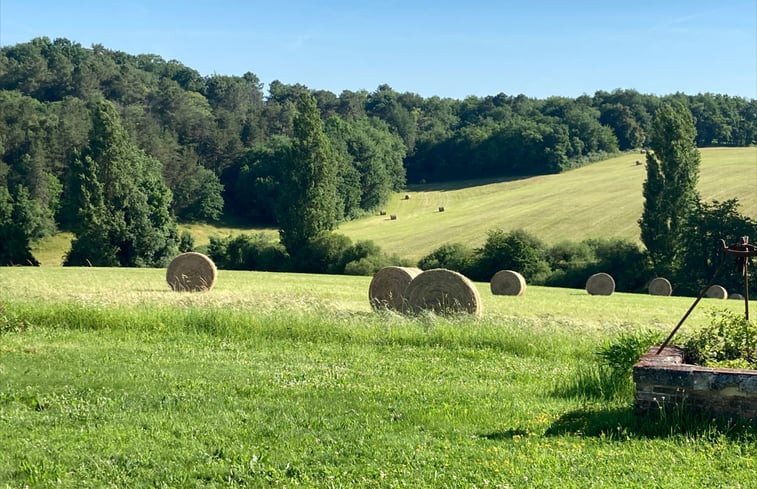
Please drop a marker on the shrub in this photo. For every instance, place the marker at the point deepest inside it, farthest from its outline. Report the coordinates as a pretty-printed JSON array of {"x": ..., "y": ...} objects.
[
  {"x": 730, "y": 340},
  {"x": 516, "y": 250},
  {"x": 248, "y": 252},
  {"x": 325, "y": 253},
  {"x": 623, "y": 352},
  {"x": 453, "y": 256},
  {"x": 366, "y": 258},
  {"x": 573, "y": 263},
  {"x": 186, "y": 242},
  {"x": 610, "y": 377}
]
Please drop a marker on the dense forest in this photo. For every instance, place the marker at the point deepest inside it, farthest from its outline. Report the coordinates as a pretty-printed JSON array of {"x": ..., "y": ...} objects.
[{"x": 220, "y": 143}]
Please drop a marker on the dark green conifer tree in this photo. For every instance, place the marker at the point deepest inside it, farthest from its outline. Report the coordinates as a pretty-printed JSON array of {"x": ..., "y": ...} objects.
[
  {"x": 122, "y": 201},
  {"x": 15, "y": 228}
]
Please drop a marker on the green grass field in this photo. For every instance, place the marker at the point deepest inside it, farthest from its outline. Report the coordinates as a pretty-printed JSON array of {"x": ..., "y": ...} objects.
[
  {"x": 599, "y": 200},
  {"x": 603, "y": 199},
  {"x": 109, "y": 379}
]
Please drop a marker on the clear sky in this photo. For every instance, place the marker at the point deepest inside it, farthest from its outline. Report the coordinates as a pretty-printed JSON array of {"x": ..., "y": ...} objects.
[{"x": 447, "y": 48}]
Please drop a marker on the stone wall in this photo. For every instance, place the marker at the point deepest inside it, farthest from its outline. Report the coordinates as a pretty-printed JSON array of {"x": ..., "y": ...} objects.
[{"x": 664, "y": 380}]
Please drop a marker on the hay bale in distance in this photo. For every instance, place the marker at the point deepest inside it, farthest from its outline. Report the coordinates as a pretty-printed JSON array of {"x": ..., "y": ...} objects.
[
  {"x": 393, "y": 217},
  {"x": 191, "y": 272},
  {"x": 716, "y": 292},
  {"x": 382, "y": 212},
  {"x": 660, "y": 286},
  {"x": 388, "y": 286},
  {"x": 441, "y": 208},
  {"x": 508, "y": 282},
  {"x": 736, "y": 296},
  {"x": 600, "y": 284},
  {"x": 407, "y": 196},
  {"x": 443, "y": 292}
]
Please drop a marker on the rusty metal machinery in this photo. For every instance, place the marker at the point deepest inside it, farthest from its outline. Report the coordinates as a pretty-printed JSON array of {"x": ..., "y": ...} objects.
[{"x": 742, "y": 252}]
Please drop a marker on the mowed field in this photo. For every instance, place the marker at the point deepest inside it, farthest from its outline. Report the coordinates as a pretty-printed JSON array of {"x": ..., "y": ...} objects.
[
  {"x": 602, "y": 199},
  {"x": 110, "y": 379}
]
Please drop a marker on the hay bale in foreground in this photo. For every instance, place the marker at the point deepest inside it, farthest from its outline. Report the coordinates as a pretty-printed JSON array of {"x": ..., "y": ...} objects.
[
  {"x": 508, "y": 282},
  {"x": 443, "y": 292},
  {"x": 388, "y": 286},
  {"x": 600, "y": 284},
  {"x": 716, "y": 292},
  {"x": 191, "y": 272},
  {"x": 660, "y": 286}
]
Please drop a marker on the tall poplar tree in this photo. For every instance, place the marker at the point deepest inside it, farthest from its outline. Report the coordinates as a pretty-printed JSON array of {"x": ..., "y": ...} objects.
[
  {"x": 670, "y": 188},
  {"x": 122, "y": 202},
  {"x": 308, "y": 201}
]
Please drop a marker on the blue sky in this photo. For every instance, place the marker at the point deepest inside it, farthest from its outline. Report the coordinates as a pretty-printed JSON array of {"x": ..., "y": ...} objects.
[{"x": 444, "y": 48}]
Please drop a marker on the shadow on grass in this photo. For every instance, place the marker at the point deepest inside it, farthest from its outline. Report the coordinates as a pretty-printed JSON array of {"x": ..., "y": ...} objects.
[
  {"x": 446, "y": 186},
  {"x": 623, "y": 423},
  {"x": 504, "y": 435}
]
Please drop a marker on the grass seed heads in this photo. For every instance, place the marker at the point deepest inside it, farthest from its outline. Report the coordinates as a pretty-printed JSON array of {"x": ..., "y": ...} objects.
[
  {"x": 443, "y": 291},
  {"x": 716, "y": 292},
  {"x": 508, "y": 282},
  {"x": 191, "y": 272},
  {"x": 660, "y": 286},
  {"x": 388, "y": 286},
  {"x": 600, "y": 284}
]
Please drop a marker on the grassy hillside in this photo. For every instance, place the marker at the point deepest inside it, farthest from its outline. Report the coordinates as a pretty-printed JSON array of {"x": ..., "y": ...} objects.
[
  {"x": 290, "y": 380},
  {"x": 601, "y": 199}
]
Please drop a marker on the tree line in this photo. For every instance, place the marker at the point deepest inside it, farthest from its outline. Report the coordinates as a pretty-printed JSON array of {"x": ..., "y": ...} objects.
[{"x": 181, "y": 145}]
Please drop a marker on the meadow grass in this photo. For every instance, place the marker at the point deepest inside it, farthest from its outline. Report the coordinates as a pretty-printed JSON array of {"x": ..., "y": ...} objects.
[
  {"x": 600, "y": 200},
  {"x": 291, "y": 380},
  {"x": 50, "y": 251}
]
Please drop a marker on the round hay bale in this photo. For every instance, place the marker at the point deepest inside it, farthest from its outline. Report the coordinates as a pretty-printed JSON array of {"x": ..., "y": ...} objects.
[
  {"x": 387, "y": 289},
  {"x": 508, "y": 282},
  {"x": 443, "y": 291},
  {"x": 660, "y": 286},
  {"x": 407, "y": 196},
  {"x": 393, "y": 217},
  {"x": 600, "y": 284},
  {"x": 736, "y": 296},
  {"x": 192, "y": 272},
  {"x": 441, "y": 208},
  {"x": 382, "y": 212},
  {"x": 716, "y": 292}
]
